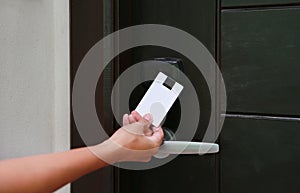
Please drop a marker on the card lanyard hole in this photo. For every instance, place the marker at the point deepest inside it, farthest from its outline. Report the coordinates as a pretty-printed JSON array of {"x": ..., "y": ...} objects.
[{"x": 169, "y": 83}]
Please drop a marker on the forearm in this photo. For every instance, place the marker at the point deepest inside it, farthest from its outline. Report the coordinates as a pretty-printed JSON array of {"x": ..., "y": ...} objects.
[{"x": 46, "y": 173}]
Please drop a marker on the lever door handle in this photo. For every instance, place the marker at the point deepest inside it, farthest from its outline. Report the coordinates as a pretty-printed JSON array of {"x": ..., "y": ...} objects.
[{"x": 186, "y": 147}]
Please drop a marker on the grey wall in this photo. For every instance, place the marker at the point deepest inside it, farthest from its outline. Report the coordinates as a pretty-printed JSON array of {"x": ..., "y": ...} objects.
[{"x": 34, "y": 77}]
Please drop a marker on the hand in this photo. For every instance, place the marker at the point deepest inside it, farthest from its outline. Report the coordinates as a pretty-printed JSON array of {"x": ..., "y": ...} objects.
[
  {"x": 47, "y": 173},
  {"x": 135, "y": 141},
  {"x": 135, "y": 117}
]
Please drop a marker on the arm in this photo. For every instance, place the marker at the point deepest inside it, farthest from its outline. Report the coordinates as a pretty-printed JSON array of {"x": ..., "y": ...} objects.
[{"x": 47, "y": 173}]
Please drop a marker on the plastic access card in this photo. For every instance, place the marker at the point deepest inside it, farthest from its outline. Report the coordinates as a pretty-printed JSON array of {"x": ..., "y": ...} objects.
[{"x": 159, "y": 98}]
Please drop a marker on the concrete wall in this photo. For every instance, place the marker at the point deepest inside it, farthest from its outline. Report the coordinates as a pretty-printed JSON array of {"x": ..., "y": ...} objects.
[{"x": 34, "y": 77}]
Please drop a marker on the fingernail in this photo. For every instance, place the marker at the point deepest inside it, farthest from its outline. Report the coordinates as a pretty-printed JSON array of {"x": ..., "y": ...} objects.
[{"x": 148, "y": 117}]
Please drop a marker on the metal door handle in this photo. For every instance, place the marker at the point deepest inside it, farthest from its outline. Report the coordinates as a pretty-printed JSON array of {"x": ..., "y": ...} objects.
[{"x": 186, "y": 147}]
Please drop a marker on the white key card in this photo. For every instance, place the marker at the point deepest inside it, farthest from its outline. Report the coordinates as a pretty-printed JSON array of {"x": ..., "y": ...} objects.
[{"x": 159, "y": 98}]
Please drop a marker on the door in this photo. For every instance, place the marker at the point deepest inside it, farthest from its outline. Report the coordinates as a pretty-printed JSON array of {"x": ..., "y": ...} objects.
[
  {"x": 89, "y": 24},
  {"x": 260, "y": 61},
  {"x": 199, "y": 18},
  {"x": 256, "y": 45}
]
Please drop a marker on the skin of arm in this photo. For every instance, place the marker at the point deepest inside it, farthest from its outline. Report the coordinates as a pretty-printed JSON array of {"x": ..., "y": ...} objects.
[{"x": 47, "y": 173}]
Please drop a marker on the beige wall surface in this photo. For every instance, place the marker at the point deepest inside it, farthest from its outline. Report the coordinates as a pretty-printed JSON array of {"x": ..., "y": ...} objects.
[{"x": 34, "y": 77}]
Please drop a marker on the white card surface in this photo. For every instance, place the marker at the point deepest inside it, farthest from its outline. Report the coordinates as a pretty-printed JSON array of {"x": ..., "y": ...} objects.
[{"x": 159, "y": 98}]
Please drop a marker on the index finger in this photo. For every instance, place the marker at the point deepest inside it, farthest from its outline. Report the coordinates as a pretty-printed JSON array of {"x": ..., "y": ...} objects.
[{"x": 136, "y": 115}]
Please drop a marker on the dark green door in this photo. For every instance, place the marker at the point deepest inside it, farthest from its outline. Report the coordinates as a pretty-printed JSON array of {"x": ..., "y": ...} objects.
[
  {"x": 257, "y": 45},
  {"x": 260, "y": 146},
  {"x": 191, "y": 173}
]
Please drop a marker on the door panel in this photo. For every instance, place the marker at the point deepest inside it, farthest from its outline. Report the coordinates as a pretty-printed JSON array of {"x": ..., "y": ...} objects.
[
  {"x": 198, "y": 173},
  {"x": 260, "y": 156},
  {"x": 260, "y": 61},
  {"x": 195, "y": 17},
  {"x": 195, "y": 173},
  {"x": 87, "y": 30},
  {"x": 229, "y": 3}
]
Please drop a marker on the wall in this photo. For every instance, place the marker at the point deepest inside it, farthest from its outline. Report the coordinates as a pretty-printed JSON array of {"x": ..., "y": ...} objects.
[{"x": 34, "y": 77}]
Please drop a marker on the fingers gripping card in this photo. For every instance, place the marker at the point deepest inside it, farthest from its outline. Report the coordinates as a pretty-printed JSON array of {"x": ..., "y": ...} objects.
[{"x": 159, "y": 98}]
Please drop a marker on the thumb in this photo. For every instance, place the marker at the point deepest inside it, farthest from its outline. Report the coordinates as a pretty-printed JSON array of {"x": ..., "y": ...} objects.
[{"x": 157, "y": 136}]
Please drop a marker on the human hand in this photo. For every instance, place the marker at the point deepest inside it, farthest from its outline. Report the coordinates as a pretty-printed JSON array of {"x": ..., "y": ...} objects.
[
  {"x": 135, "y": 141},
  {"x": 135, "y": 117}
]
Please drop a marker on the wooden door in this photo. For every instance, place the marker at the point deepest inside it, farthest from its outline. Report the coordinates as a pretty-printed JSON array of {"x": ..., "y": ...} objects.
[
  {"x": 260, "y": 49},
  {"x": 257, "y": 45},
  {"x": 199, "y": 18}
]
